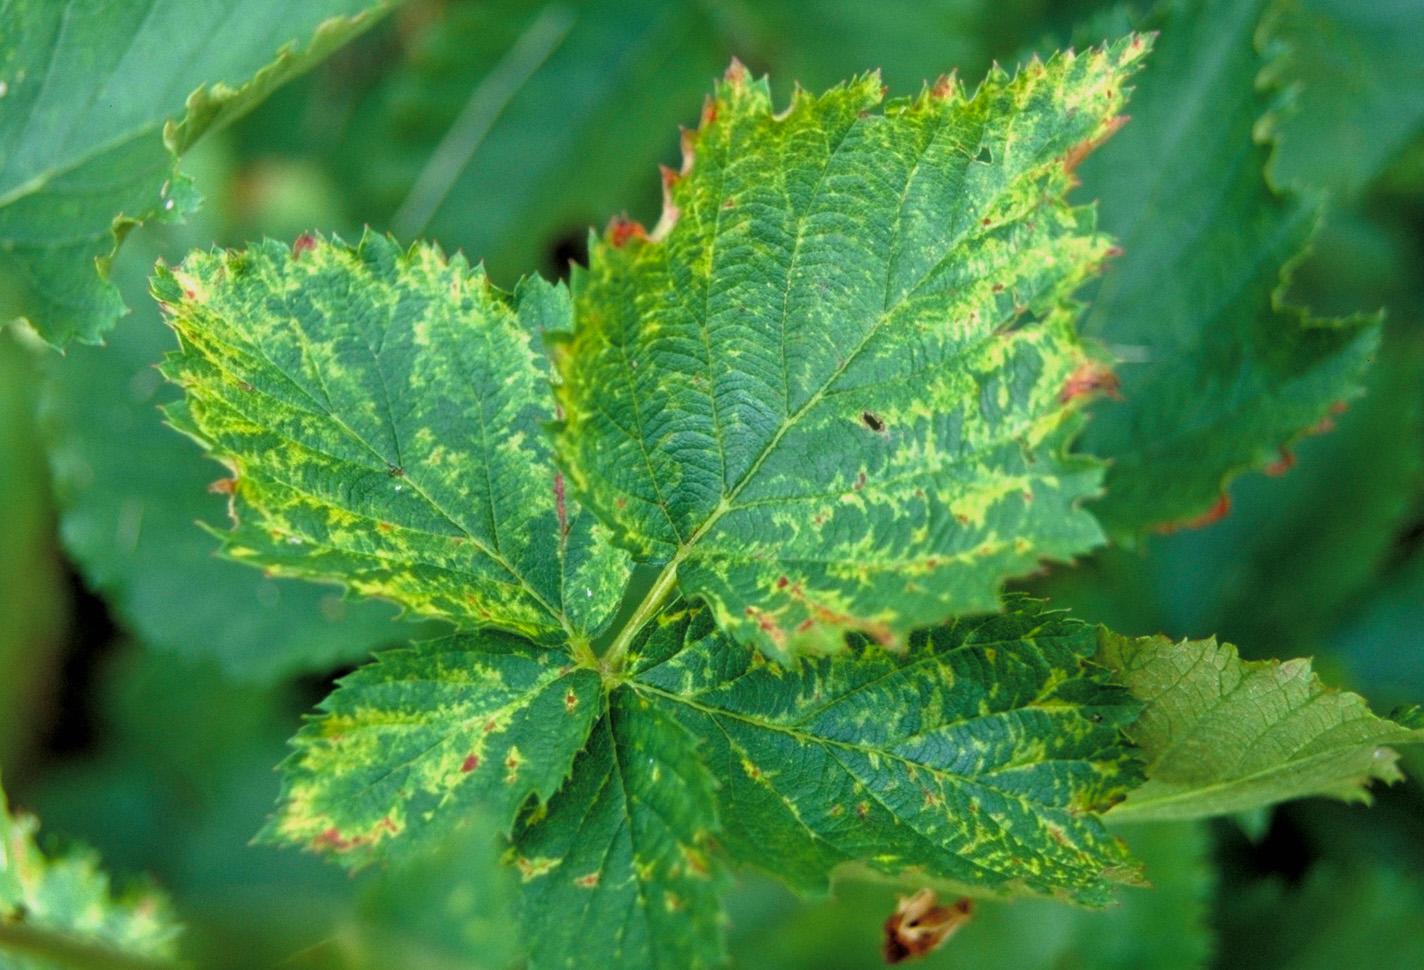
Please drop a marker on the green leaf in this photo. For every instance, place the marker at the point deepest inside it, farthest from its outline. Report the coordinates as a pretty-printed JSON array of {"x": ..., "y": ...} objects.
[
  {"x": 174, "y": 788},
  {"x": 1285, "y": 565},
  {"x": 409, "y": 746},
  {"x": 1217, "y": 374},
  {"x": 1335, "y": 917},
  {"x": 1368, "y": 642},
  {"x": 617, "y": 872},
  {"x": 1222, "y": 735},
  {"x": 977, "y": 757},
  {"x": 829, "y": 388},
  {"x": 816, "y": 43},
  {"x": 99, "y": 99},
  {"x": 1357, "y": 88},
  {"x": 55, "y": 906},
  {"x": 568, "y": 107},
  {"x": 451, "y": 909},
  {"x": 1162, "y": 927},
  {"x": 383, "y": 411},
  {"x": 130, "y": 491}
]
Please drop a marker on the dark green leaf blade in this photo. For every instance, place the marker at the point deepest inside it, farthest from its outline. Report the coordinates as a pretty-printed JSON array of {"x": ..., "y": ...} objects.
[
  {"x": 1216, "y": 375},
  {"x": 830, "y": 385},
  {"x": 1163, "y": 926},
  {"x": 410, "y": 745},
  {"x": 568, "y": 109},
  {"x": 1357, "y": 88},
  {"x": 977, "y": 758},
  {"x": 383, "y": 413},
  {"x": 98, "y": 100},
  {"x": 1223, "y": 735},
  {"x": 616, "y": 872}
]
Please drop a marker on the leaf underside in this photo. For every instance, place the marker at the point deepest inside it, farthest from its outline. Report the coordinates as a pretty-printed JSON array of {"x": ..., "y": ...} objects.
[{"x": 1222, "y": 735}]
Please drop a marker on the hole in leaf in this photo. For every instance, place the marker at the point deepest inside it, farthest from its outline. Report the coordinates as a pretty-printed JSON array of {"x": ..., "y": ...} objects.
[
  {"x": 872, "y": 421},
  {"x": 984, "y": 155},
  {"x": 566, "y": 249},
  {"x": 1022, "y": 317}
]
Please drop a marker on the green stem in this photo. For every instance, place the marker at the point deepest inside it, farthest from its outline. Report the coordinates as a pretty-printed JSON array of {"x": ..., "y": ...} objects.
[{"x": 611, "y": 663}]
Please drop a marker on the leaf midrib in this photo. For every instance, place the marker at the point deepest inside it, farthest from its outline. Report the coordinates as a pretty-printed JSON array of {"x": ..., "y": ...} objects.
[
  {"x": 329, "y": 412},
  {"x": 1132, "y": 807},
  {"x": 614, "y": 656},
  {"x": 806, "y": 738}
]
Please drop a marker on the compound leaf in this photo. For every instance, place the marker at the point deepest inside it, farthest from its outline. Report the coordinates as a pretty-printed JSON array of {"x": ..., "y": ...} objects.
[
  {"x": 1223, "y": 735},
  {"x": 99, "y": 98},
  {"x": 382, "y": 412},
  {"x": 1216, "y": 374},
  {"x": 63, "y": 903},
  {"x": 409, "y": 746},
  {"x": 832, "y": 386},
  {"x": 978, "y": 757},
  {"x": 617, "y": 873}
]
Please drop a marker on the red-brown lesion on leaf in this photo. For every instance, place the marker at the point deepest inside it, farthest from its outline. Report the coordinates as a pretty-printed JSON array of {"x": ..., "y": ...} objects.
[
  {"x": 736, "y": 74},
  {"x": 1075, "y": 155},
  {"x": 304, "y": 243},
  {"x": 696, "y": 862},
  {"x": 333, "y": 840},
  {"x": 1090, "y": 377},
  {"x": 667, "y": 219},
  {"x": 223, "y": 486},
  {"x": 560, "y": 509},
  {"x": 920, "y": 925},
  {"x": 945, "y": 87},
  {"x": 471, "y": 762},
  {"x": 820, "y": 613},
  {"x": 768, "y": 625},
  {"x": 1284, "y": 463},
  {"x": 589, "y": 881},
  {"x": 1212, "y": 515},
  {"x": 621, "y": 230}
]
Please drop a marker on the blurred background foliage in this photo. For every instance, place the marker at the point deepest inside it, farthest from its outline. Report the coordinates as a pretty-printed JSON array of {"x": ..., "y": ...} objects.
[{"x": 147, "y": 688}]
